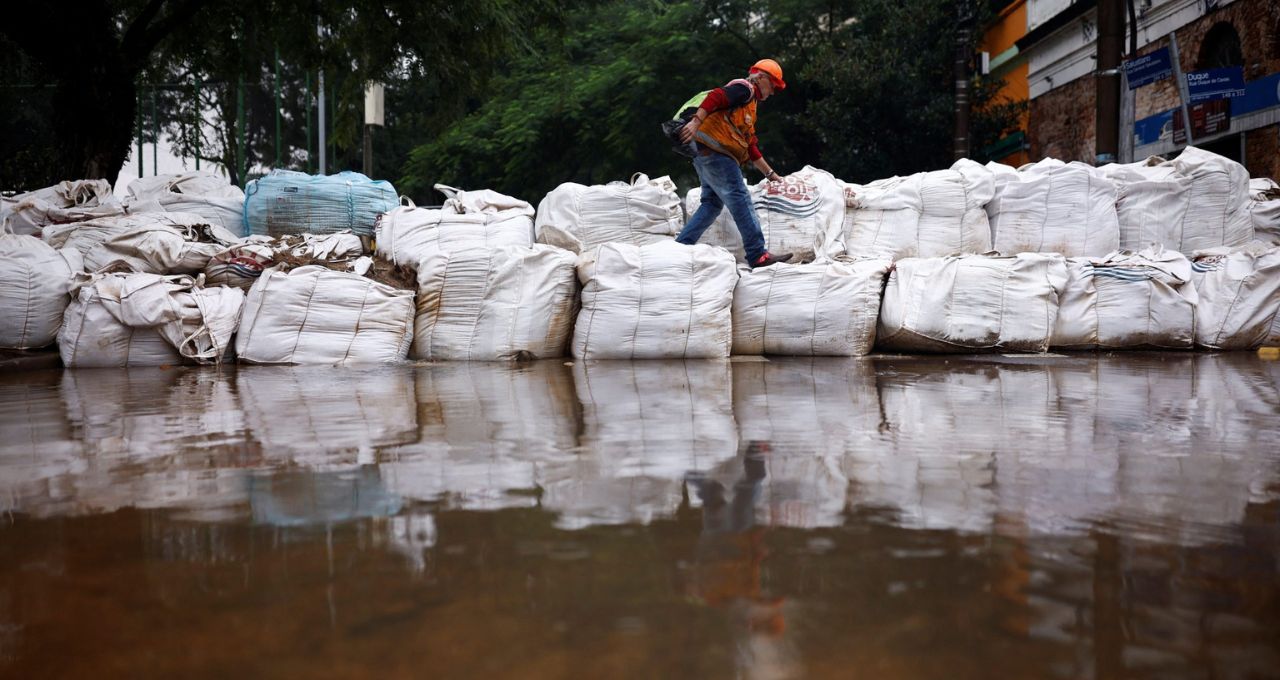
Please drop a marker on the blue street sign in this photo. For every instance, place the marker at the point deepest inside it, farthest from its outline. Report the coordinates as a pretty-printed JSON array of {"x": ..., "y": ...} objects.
[
  {"x": 1148, "y": 68},
  {"x": 1215, "y": 83}
]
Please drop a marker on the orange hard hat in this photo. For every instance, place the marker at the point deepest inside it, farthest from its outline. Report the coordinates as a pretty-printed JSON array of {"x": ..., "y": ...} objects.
[{"x": 770, "y": 68}]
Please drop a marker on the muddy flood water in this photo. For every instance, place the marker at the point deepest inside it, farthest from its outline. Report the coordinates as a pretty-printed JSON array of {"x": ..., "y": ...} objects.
[{"x": 1082, "y": 516}]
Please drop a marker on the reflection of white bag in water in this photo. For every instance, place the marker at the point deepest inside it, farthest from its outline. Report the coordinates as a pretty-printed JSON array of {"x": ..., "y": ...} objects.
[
  {"x": 315, "y": 416},
  {"x": 213, "y": 197},
  {"x": 664, "y": 300},
  {"x": 1127, "y": 300},
  {"x": 480, "y": 219},
  {"x": 495, "y": 304},
  {"x": 69, "y": 201},
  {"x": 799, "y": 214},
  {"x": 645, "y": 426},
  {"x": 972, "y": 302},
  {"x": 147, "y": 320},
  {"x": 808, "y": 309},
  {"x": 314, "y": 315},
  {"x": 1055, "y": 207},
  {"x": 486, "y": 430},
  {"x": 577, "y": 217},
  {"x": 1239, "y": 291},
  {"x": 35, "y": 281},
  {"x": 929, "y": 214}
]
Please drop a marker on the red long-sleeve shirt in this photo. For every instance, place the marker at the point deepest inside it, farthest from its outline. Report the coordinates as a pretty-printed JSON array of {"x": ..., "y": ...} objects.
[{"x": 722, "y": 98}]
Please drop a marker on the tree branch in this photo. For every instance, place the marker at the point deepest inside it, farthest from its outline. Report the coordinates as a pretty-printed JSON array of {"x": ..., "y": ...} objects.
[{"x": 138, "y": 46}]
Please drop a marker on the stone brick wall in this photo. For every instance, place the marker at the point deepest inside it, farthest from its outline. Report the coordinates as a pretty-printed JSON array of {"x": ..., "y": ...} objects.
[
  {"x": 1262, "y": 152},
  {"x": 1061, "y": 122}
]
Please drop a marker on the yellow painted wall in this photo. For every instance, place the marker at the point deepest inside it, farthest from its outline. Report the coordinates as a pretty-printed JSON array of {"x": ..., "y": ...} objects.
[{"x": 1009, "y": 26}]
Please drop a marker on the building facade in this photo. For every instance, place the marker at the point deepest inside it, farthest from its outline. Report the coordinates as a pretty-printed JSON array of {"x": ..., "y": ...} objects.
[{"x": 1060, "y": 51}]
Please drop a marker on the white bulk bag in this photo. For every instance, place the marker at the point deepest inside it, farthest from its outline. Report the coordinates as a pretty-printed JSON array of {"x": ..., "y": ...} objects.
[
  {"x": 1217, "y": 202},
  {"x": 315, "y": 315},
  {"x": 577, "y": 217},
  {"x": 800, "y": 214},
  {"x": 68, "y": 201},
  {"x": 1151, "y": 204},
  {"x": 929, "y": 214},
  {"x": 484, "y": 218},
  {"x": 820, "y": 309},
  {"x": 241, "y": 264},
  {"x": 34, "y": 283},
  {"x": 212, "y": 197},
  {"x": 663, "y": 300},
  {"x": 140, "y": 319},
  {"x": 495, "y": 304},
  {"x": 1264, "y": 210},
  {"x": 1127, "y": 300},
  {"x": 1239, "y": 291},
  {"x": 972, "y": 302},
  {"x": 170, "y": 243},
  {"x": 1055, "y": 207}
]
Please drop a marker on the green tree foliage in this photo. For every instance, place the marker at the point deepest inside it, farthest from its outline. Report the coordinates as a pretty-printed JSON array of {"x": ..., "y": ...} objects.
[{"x": 869, "y": 93}]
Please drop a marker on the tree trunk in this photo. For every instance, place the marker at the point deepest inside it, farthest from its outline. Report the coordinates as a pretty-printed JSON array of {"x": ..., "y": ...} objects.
[{"x": 94, "y": 118}]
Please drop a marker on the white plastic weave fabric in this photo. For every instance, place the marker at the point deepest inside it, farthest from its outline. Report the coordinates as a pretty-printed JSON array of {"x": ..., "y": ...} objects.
[
  {"x": 315, "y": 315},
  {"x": 1127, "y": 300},
  {"x": 820, "y": 309},
  {"x": 35, "y": 281},
  {"x": 68, "y": 201},
  {"x": 1264, "y": 210},
  {"x": 663, "y": 300},
  {"x": 1239, "y": 292},
  {"x": 1055, "y": 207},
  {"x": 208, "y": 195},
  {"x": 484, "y": 219},
  {"x": 167, "y": 243},
  {"x": 972, "y": 302},
  {"x": 578, "y": 217},
  {"x": 486, "y": 304},
  {"x": 1151, "y": 204},
  {"x": 929, "y": 214},
  {"x": 1217, "y": 202}
]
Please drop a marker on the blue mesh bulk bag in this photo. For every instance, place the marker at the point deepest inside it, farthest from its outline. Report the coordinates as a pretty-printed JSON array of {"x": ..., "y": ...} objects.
[{"x": 288, "y": 202}]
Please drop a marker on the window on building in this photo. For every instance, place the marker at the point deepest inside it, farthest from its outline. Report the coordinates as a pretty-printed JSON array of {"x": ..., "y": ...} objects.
[{"x": 1220, "y": 48}]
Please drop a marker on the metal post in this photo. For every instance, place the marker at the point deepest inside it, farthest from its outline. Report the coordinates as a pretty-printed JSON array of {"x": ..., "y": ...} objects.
[
  {"x": 1126, "y": 119},
  {"x": 242, "y": 164},
  {"x": 199, "y": 121},
  {"x": 320, "y": 123},
  {"x": 1176, "y": 58},
  {"x": 368, "y": 150},
  {"x": 140, "y": 129},
  {"x": 1107, "y": 82},
  {"x": 306, "y": 103},
  {"x": 333, "y": 124},
  {"x": 960, "y": 68},
  {"x": 155, "y": 135},
  {"x": 277, "y": 84}
]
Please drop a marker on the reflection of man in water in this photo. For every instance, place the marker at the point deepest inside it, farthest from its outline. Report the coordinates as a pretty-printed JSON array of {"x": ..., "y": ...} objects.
[{"x": 727, "y": 571}]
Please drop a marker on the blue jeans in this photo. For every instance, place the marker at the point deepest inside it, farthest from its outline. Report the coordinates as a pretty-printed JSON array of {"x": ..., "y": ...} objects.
[{"x": 723, "y": 186}]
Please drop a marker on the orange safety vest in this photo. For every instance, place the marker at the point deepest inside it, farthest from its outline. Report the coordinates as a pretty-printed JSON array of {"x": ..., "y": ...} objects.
[{"x": 729, "y": 131}]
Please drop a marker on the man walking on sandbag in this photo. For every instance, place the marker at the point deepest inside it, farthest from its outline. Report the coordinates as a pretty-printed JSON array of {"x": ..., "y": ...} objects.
[{"x": 722, "y": 133}]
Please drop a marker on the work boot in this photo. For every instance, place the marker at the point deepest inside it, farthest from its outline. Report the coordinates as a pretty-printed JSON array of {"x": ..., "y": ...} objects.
[{"x": 769, "y": 258}]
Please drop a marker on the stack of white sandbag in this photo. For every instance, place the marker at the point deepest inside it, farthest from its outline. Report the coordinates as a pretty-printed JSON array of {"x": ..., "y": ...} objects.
[
  {"x": 316, "y": 315},
  {"x": 578, "y": 217},
  {"x": 1054, "y": 207},
  {"x": 484, "y": 219},
  {"x": 1127, "y": 300},
  {"x": 972, "y": 302},
  {"x": 1264, "y": 210},
  {"x": 929, "y": 214},
  {"x": 1151, "y": 203},
  {"x": 141, "y": 319},
  {"x": 35, "y": 280},
  {"x": 489, "y": 304},
  {"x": 241, "y": 264},
  {"x": 1239, "y": 291},
  {"x": 208, "y": 195},
  {"x": 68, "y": 201},
  {"x": 663, "y": 300},
  {"x": 1217, "y": 202},
  {"x": 818, "y": 309},
  {"x": 800, "y": 214}
]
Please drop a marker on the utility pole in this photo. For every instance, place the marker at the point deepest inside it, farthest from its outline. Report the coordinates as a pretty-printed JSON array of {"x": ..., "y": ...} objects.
[
  {"x": 1107, "y": 81},
  {"x": 374, "y": 100},
  {"x": 960, "y": 140}
]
